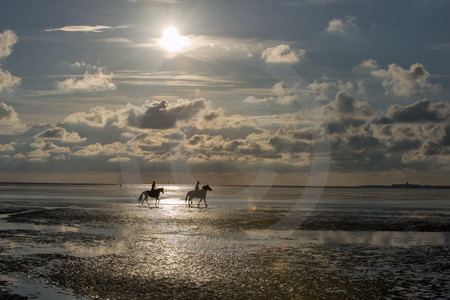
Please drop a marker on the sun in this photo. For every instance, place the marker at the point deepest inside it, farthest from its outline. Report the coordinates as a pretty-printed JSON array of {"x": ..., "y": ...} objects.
[{"x": 172, "y": 41}]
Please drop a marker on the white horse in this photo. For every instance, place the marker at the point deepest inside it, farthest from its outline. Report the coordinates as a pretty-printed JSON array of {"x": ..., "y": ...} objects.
[
  {"x": 154, "y": 194},
  {"x": 198, "y": 194}
]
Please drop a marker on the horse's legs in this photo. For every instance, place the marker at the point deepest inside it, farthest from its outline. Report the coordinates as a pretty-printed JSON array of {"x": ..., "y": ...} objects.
[{"x": 204, "y": 199}]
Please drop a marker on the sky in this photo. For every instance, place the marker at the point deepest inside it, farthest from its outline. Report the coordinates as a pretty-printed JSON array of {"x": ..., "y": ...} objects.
[{"x": 270, "y": 92}]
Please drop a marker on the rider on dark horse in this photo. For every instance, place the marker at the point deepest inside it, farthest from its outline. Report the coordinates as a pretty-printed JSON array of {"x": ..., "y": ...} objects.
[
  {"x": 197, "y": 187},
  {"x": 153, "y": 188}
]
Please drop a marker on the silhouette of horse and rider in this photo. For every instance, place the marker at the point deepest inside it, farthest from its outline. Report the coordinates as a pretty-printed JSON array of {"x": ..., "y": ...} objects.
[
  {"x": 153, "y": 193},
  {"x": 196, "y": 193}
]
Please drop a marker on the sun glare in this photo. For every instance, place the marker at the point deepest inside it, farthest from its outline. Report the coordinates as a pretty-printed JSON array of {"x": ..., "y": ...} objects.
[{"x": 172, "y": 41}]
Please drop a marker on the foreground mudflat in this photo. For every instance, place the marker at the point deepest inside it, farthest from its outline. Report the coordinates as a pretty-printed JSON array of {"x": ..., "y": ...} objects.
[{"x": 79, "y": 249}]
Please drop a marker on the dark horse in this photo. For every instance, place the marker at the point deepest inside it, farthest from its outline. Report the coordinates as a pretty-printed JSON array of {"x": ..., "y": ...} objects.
[
  {"x": 154, "y": 194},
  {"x": 198, "y": 194}
]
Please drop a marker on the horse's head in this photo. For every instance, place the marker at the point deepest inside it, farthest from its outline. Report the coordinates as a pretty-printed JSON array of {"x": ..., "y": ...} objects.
[
  {"x": 206, "y": 188},
  {"x": 162, "y": 190}
]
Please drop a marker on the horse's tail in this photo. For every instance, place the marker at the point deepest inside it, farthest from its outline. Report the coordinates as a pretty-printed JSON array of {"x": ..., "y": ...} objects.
[
  {"x": 187, "y": 195},
  {"x": 140, "y": 197}
]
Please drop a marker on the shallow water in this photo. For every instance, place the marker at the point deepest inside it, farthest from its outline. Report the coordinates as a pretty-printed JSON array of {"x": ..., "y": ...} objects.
[{"x": 96, "y": 242}]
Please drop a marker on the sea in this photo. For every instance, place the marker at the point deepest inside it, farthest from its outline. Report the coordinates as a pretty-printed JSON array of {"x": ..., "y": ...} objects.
[{"x": 79, "y": 241}]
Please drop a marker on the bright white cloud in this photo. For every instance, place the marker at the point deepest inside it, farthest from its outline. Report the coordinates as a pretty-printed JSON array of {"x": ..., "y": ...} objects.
[
  {"x": 282, "y": 54},
  {"x": 61, "y": 134},
  {"x": 8, "y": 81},
  {"x": 95, "y": 82},
  {"x": 97, "y": 117},
  {"x": 342, "y": 26},
  {"x": 405, "y": 83},
  {"x": 7, "y": 40}
]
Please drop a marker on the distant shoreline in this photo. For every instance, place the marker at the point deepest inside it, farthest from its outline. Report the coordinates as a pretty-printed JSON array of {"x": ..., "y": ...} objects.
[{"x": 371, "y": 186}]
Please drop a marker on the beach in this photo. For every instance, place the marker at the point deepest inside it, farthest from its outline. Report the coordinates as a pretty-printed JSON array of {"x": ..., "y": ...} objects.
[{"x": 98, "y": 242}]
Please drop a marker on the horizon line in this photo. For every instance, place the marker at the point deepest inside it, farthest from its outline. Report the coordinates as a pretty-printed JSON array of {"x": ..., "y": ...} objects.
[{"x": 407, "y": 185}]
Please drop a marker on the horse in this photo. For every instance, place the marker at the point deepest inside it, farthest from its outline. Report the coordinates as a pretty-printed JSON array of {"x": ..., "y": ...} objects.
[
  {"x": 198, "y": 194},
  {"x": 154, "y": 194}
]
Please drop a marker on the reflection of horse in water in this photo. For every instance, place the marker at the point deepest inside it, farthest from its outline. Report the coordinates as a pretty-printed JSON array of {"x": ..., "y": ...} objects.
[
  {"x": 198, "y": 194},
  {"x": 154, "y": 194}
]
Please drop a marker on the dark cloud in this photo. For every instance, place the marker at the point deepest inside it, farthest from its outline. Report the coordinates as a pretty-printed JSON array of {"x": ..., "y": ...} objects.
[
  {"x": 6, "y": 112},
  {"x": 162, "y": 115},
  {"x": 421, "y": 111},
  {"x": 344, "y": 104},
  {"x": 404, "y": 145},
  {"x": 289, "y": 146},
  {"x": 345, "y": 112},
  {"x": 341, "y": 126},
  {"x": 363, "y": 142},
  {"x": 210, "y": 116},
  {"x": 9, "y": 120}
]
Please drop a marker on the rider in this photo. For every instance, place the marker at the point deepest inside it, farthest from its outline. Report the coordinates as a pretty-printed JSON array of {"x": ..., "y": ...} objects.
[
  {"x": 153, "y": 186},
  {"x": 197, "y": 186}
]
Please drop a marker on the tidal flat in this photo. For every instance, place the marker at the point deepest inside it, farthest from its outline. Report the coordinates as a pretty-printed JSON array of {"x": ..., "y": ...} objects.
[{"x": 92, "y": 245}]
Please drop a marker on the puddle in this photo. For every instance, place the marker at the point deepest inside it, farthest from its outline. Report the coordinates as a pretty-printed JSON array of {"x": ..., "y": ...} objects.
[
  {"x": 35, "y": 289},
  {"x": 371, "y": 238}
]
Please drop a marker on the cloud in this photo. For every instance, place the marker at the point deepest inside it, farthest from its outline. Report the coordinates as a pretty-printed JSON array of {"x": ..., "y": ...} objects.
[
  {"x": 113, "y": 149},
  {"x": 97, "y": 117},
  {"x": 8, "y": 81},
  {"x": 342, "y": 26},
  {"x": 368, "y": 64},
  {"x": 281, "y": 94},
  {"x": 282, "y": 54},
  {"x": 345, "y": 113},
  {"x": 95, "y": 82},
  {"x": 346, "y": 105},
  {"x": 80, "y": 28},
  {"x": 7, "y": 40},
  {"x": 405, "y": 83},
  {"x": 162, "y": 115},
  {"x": 419, "y": 112},
  {"x": 61, "y": 134},
  {"x": 7, "y": 147},
  {"x": 9, "y": 120},
  {"x": 202, "y": 147},
  {"x": 119, "y": 159},
  {"x": 320, "y": 90},
  {"x": 44, "y": 150}
]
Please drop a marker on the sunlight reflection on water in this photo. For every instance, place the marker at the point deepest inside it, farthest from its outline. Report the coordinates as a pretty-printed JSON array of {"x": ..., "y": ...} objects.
[{"x": 234, "y": 241}]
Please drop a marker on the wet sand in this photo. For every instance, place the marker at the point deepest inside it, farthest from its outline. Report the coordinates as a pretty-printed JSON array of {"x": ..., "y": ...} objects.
[{"x": 124, "y": 251}]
